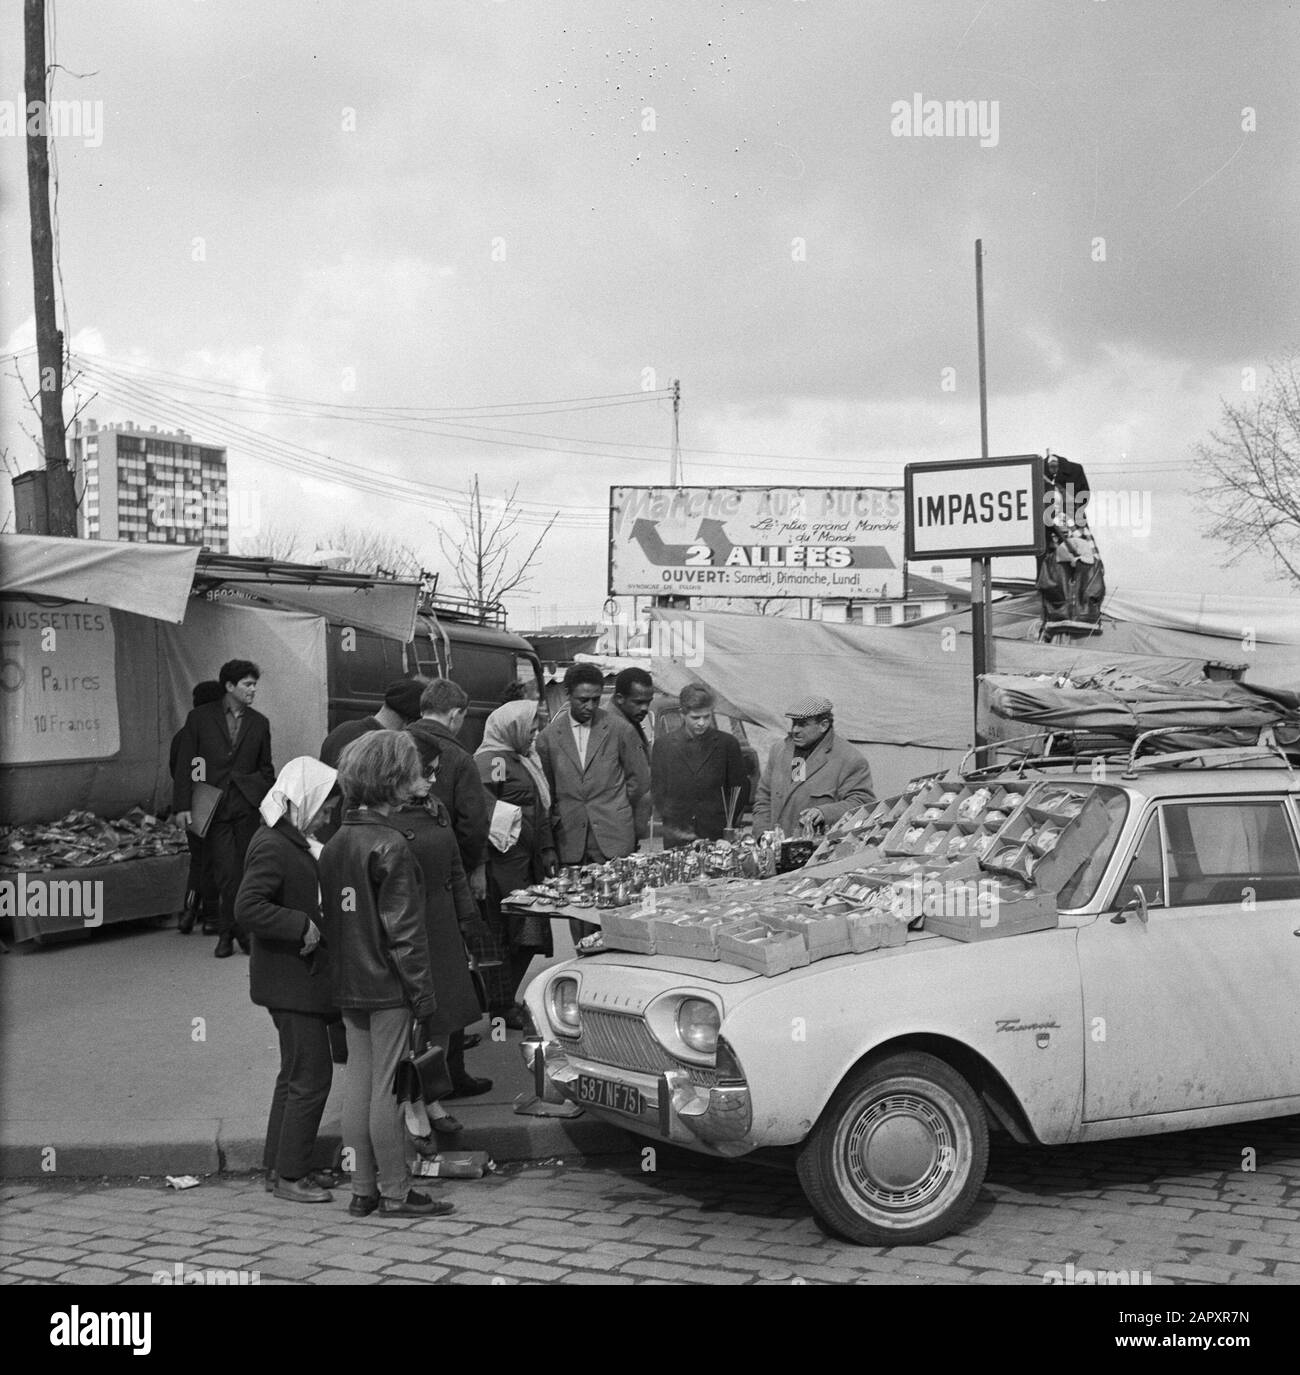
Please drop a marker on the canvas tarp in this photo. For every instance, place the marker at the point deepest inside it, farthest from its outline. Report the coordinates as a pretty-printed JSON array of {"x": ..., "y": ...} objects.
[
  {"x": 1261, "y": 635},
  {"x": 904, "y": 697},
  {"x": 151, "y": 580}
]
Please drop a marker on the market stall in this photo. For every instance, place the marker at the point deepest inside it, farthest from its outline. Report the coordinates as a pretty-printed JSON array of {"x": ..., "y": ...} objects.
[{"x": 103, "y": 643}]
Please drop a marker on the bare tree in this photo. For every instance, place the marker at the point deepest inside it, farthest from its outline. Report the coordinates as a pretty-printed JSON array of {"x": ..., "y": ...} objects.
[
  {"x": 372, "y": 551},
  {"x": 1251, "y": 465},
  {"x": 272, "y": 541},
  {"x": 482, "y": 553}
]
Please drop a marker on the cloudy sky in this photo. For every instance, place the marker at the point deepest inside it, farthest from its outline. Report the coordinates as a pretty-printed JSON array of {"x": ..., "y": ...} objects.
[{"x": 361, "y": 236}]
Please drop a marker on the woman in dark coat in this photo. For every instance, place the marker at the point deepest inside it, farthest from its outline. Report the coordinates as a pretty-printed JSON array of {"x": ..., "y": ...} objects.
[
  {"x": 278, "y": 904},
  {"x": 513, "y": 775},
  {"x": 450, "y": 912},
  {"x": 695, "y": 772}
]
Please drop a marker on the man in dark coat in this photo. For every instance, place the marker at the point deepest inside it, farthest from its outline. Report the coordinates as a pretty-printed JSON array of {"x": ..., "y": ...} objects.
[
  {"x": 443, "y": 705},
  {"x": 401, "y": 707},
  {"x": 201, "y": 896},
  {"x": 227, "y": 745},
  {"x": 697, "y": 773}
]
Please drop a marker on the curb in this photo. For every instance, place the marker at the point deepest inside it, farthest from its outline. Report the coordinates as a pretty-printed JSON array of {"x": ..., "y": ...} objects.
[{"x": 63, "y": 1149}]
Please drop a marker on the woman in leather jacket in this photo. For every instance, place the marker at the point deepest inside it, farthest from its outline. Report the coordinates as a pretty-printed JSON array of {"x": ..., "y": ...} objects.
[{"x": 372, "y": 907}]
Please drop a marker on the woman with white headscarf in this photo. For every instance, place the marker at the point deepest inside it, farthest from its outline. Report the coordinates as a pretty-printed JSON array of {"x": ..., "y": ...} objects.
[
  {"x": 512, "y": 773},
  {"x": 279, "y": 906}
]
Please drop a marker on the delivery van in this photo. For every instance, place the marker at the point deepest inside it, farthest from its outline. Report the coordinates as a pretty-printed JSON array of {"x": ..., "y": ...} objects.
[{"x": 453, "y": 639}]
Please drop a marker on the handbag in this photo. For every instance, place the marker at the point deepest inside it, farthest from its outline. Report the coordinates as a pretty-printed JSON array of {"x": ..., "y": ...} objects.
[{"x": 421, "y": 1074}]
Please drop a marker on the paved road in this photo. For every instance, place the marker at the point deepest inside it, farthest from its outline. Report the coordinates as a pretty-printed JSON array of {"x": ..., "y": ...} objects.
[{"x": 1180, "y": 1208}]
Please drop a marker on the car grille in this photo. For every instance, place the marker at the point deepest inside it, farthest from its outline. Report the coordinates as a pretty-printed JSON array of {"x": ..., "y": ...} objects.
[{"x": 624, "y": 1040}]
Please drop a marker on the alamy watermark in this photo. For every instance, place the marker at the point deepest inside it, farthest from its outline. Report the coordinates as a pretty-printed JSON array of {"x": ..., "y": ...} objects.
[
  {"x": 667, "y": 637},
  {"x": 921, "y": 118},
  {"x": 45, "y": 897},
  {"x": 180, "y": 1273},
  {"x": 83, "y": 119}
]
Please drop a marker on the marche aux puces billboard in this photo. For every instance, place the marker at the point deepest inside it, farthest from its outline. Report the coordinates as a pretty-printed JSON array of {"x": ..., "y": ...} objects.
[{"x": 757, "y": 542}]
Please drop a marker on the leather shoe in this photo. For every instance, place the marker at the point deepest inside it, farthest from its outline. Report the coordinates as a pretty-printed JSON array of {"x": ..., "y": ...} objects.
[
  {"x": 468, "y": 1087},
  {"x": 426, "y": 1147},
  {"x": 446, "y": 1125},
  {"x": 244, "y": 943},
  {"x": 362, "y": 1205},
  {"x": 185, "y": 922},
  {"x": 322, "y": 1179},
  {"x": 301, "y": 1191},
  {"x": 225, "y": 948},
  {"x": 471, "y": 1041},
  {"x": 414, "y": 1205},
  {"x": 209, "y": 928}
]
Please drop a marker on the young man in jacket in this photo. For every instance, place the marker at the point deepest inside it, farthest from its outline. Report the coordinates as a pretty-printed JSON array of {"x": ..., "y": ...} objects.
[
  {"x": 598, "y": 775},
  {"x": 812, "y": 777},
  {"x": 696, "y": 772},
  {"x": 227, "y": 745}
]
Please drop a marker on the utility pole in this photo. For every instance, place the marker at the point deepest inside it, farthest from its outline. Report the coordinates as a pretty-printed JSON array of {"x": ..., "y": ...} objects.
[
  {"x": 675, "y": 458},
  {"x": 675, "y": 480},
  {"x": 49, "y": 340},
  {"x": 981, "y": 587}
]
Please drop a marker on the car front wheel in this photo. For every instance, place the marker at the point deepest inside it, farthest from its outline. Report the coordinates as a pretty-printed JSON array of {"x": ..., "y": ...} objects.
[{"x": 899, "y": 1154}]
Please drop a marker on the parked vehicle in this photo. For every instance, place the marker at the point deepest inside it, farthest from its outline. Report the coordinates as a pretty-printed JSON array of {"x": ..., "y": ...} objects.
[
  {"x": 1168, "y": 998},
  {"x": 453, "y": 640}
]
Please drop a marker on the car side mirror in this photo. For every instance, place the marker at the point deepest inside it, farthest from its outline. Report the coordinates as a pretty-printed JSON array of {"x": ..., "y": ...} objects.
[{"x": 1136, "y": 904}]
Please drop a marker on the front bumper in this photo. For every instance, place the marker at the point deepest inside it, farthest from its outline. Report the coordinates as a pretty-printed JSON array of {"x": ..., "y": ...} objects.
[{"x": 716, "y": 1118}]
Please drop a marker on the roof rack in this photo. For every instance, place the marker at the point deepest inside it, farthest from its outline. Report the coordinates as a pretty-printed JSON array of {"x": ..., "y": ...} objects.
[
  {"x": 1265, "y": 747},
  {"x": 1120, "y": 752},
  {"x": 464, "y": 609}
]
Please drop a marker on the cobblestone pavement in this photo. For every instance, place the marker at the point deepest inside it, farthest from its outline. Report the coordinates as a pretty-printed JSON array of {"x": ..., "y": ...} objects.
[{"x": 1180, "y": 1208}]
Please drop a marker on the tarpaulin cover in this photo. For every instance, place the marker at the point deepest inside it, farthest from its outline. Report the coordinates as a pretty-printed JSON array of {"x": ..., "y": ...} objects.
[
  {"x": 904, "y": 696},
  {"x": 151, "y": 580},
  {"x": 1261, "y": 635},
  {"x": 1132, "y": 707},
  {"x": 386, "y": 608}
]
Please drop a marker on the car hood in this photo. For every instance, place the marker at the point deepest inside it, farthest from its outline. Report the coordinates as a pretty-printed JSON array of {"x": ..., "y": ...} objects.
[{"x": 719, "y": 972}]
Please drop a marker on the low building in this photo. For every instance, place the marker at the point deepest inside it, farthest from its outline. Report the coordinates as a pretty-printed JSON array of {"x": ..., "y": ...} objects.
[{"x": 925, "y": 597}]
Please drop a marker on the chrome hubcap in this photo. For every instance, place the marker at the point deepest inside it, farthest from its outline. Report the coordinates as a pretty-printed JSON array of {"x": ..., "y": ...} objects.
[{"x": 900, "y": 1152}]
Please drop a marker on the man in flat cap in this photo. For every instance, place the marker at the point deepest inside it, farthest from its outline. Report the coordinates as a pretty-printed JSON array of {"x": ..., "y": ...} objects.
[{"x": 812, "y": 777}]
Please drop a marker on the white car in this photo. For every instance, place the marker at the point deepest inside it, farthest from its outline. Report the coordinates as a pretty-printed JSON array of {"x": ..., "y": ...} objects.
[{"x": 1167, "y": 998}]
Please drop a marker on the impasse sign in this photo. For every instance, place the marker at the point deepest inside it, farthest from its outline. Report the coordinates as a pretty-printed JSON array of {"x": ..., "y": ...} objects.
[
  {"x": 58, "y": 683},
  {"x": 974, "y": 508}
]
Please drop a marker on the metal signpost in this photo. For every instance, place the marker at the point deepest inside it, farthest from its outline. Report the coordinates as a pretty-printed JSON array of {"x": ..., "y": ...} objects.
[{"x": 978, "y": 509}]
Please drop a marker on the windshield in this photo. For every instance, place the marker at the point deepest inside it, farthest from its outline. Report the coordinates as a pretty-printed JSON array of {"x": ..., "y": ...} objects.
[{"x": 1079, "y": 889}]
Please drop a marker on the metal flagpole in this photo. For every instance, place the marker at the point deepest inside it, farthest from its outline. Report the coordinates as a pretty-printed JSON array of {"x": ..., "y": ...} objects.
[{"x": 981, "y": 589}]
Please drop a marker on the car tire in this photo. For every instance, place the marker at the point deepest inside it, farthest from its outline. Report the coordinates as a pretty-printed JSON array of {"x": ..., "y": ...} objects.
[{"x": 899, "y": 1153}]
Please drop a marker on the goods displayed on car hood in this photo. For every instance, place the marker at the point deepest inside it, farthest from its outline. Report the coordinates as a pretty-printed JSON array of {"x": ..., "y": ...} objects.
[{"x": 969, "y": 860}]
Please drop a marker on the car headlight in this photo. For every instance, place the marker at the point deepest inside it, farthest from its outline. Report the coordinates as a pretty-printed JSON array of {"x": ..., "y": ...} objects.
[
  {"x": 698, "y": 1022},
  {"x": 562, "y": 1004}
]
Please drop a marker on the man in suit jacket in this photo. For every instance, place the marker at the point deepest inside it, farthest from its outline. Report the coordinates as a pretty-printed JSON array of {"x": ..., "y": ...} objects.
[
  {"x": 227, "y": 745},
  {"x": 598, "y": 774},
  {"x": 812, "y": 776},
  {"x": 695, "y": 771}
]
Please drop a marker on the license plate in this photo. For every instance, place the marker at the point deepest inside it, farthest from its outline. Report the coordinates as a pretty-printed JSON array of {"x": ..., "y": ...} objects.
[{"x": 604, "y": 1093}]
